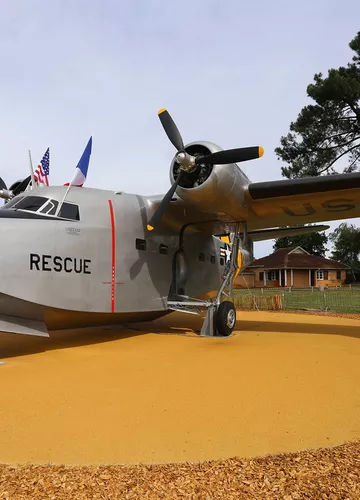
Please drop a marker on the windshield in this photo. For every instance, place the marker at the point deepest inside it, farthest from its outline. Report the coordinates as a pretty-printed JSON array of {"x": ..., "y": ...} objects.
[
  {"x": 50, "y": 207},
  {"x": 12, "y": 203},
  {"x": 44, "y": 206},
  {"x": 32, "y": 203}
]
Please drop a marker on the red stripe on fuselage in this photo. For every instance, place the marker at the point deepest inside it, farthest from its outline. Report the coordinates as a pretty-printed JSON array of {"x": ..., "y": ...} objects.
[{"x": 113, "y": 256}]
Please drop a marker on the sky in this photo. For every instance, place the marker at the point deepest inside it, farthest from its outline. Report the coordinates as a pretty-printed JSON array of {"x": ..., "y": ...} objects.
[{"x": 231, "y": 72}]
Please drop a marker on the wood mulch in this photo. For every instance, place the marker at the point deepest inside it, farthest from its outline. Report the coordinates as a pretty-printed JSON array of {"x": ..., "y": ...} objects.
[{"x": 331, "y": 473}]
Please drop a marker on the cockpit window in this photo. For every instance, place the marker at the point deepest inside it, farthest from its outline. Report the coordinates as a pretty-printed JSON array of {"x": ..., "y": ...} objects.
[
  {"x": 32, "y": 203},
  {"x": 50, "y": 207},
  {"x": 44, "y": 206},
  {"x": 12, "y": 203},
  {"x": 69, "y": 211}
]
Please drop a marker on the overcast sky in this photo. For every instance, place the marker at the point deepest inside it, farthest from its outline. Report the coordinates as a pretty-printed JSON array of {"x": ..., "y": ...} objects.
[{"x": 231, "y": 72}]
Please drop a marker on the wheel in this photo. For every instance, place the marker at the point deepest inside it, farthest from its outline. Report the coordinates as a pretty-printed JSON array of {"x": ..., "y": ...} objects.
[{"x": 225, "y": 318}]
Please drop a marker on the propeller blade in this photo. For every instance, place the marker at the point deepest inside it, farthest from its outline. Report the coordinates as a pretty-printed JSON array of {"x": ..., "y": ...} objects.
[
  {"x": 171, "y": 129},
  {"x": 155, "y": 219},
  {"x": 231, "y": 156},
  {"x": 22, "y": 186},
  {"x": 2, "y": 184}
]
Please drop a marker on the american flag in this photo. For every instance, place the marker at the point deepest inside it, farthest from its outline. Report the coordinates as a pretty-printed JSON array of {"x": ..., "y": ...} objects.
[{"x": 41, "y": 174}]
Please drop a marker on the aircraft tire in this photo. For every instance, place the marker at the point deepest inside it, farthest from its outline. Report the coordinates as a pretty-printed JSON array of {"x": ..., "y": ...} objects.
[{"x": 225, "y": 318}]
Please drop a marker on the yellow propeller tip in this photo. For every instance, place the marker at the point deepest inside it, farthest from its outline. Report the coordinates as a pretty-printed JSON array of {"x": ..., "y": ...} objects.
[
  {"x": 150, "y": 228},
  {"x": 261, "y": 151},
  {"x": 161, "y": 111}
]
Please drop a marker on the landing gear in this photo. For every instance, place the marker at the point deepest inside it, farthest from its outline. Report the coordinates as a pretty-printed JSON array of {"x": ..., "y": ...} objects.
[
  {"x": 225, "y": 318},
  {"x": 220, "y": 318}
]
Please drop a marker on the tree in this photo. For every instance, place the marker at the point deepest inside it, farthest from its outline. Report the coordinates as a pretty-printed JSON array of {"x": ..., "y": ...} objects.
[
  {"x": 328, "y": 130},
  {"x": 314, "y": 243},
  {"x": 346, "y": 240}
]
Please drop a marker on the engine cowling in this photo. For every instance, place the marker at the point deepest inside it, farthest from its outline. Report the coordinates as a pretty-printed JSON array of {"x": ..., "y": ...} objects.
[{"x": 212, "y": 188}]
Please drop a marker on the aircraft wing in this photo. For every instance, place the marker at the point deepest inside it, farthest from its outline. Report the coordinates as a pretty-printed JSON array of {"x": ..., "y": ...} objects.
[
  {"x": 302, "y": 201},
  {"x": 273, "y": 204},
  {"x": 280, "y": 232}
]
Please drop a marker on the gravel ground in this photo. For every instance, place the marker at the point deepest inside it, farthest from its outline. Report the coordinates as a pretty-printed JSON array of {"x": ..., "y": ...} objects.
[{"x": 332, "y": 473}]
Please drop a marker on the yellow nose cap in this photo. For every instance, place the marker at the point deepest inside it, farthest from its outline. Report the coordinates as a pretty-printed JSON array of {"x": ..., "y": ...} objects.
[
  {"x": 162, "y": 110},
  {"x": 149, "y": 228},
  {"x": 261, "y": 151}
]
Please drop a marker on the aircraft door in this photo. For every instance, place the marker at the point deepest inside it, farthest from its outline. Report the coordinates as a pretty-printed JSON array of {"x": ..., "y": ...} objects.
[{"x": 143, "y": 261}]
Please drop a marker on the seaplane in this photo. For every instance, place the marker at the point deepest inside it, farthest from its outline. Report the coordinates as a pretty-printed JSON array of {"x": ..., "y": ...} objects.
[{"x": 79, "y": 256}]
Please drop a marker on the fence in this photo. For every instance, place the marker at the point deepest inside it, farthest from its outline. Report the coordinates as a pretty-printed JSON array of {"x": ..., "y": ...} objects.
[{"x": 337, "y": 299}]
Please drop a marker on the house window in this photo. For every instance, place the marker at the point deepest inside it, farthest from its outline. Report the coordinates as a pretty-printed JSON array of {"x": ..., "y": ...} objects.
[
  {"x": 272, "y": 275},
  {"x": 269, "y": 276},
  {"x": 321, "y": 275},
  {"x": 338, "y": 275},
  {"x": 140, "y": 244}
]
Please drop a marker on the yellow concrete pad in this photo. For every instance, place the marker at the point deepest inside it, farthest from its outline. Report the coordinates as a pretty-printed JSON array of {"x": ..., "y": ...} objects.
[{"x": 157, "y": 392}]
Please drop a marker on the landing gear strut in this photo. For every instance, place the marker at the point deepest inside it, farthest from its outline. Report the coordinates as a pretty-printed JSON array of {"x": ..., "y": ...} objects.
[{"x": 221, "y": 315}]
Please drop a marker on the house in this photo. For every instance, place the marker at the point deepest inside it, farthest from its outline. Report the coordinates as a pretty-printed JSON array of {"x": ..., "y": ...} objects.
[{"x": 292, "y": 267}]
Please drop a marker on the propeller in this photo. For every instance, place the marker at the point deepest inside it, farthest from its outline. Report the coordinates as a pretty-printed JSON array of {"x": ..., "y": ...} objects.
[
  {"x": 5, "y": 193},
  {"x": 21, "y": 186},
  {"x": 189, "y": 163},
  {"x": 171, "y": 130},
  {"x": 231, "y": 156},
  {"x": 155, "y": 219},
  {"x": 15, "y": 189}
]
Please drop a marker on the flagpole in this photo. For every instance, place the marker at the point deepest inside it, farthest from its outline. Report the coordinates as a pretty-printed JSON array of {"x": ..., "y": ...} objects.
[
  {"x": 31, "y": 171},
  {"x": 65, "y": 195},
  {"x": 81, "y": 167}
]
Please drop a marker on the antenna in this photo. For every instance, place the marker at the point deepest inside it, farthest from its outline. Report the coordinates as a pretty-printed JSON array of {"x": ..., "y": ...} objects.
[{"x": 31, "y": 171}]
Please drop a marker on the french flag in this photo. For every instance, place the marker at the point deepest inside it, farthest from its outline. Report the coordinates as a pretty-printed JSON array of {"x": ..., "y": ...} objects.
[{"x": 82, "y": 167}]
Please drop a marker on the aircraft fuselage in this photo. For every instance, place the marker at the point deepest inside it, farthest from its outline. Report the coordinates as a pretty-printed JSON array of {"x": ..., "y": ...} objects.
[{"x": 103, "y": 268}]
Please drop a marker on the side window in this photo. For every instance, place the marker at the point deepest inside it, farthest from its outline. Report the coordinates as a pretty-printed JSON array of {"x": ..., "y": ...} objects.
[
  {"x": 222, "y": 261},
  {"x": 140, "y": 244},
  {"x": 201, "y": 257},
  {"x": 69, "y": 211},
  {"x": 163, "y": 249},
  {"x": 212, "y": 259}
]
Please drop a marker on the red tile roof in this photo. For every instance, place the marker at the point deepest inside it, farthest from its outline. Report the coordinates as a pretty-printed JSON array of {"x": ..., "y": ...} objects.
[{"x": 284, "y": 258}]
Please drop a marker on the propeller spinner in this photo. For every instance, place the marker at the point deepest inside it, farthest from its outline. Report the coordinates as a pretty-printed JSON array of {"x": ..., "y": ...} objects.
[{"x": 189, "y": 163}]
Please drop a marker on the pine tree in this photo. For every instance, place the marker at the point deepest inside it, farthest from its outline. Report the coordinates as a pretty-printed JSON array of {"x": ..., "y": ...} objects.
[{"x": 328, "y": 130}]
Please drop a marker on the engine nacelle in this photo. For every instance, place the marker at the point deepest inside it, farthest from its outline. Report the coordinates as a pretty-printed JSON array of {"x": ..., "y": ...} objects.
[{"x": 212, "y": 188}]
